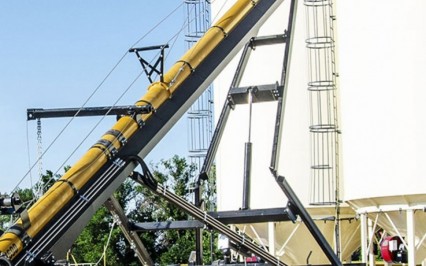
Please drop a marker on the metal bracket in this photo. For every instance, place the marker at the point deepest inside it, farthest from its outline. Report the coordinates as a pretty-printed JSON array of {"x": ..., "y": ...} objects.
[
  {"x": 260, "y": 93},
  {"x": 10, "y": 205},
  {"x": 147, "y": 67}
]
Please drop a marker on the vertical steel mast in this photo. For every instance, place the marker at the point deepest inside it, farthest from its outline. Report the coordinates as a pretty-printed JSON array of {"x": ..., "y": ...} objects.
[{"x": 200, "y": 115}]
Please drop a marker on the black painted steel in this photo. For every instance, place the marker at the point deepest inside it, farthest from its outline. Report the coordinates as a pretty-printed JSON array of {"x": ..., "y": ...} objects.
[
  {"x": 260, "y": 93},
  {"x": 35, "y": 113},
  {"x": 153, "y": 68},
  {"x": 211, "y": 222},
  {"x": 66, "y": 225},
  {"x": 132, "y": 237},
  {"x": 282, "y": 91},
  {"x": 247, "y": 175},
  {"x": 298, "y": 208},
  {"x": 252, "y": 216},
  {"x": 268, "y": 40},
  {"x": 168, "y": 225}
]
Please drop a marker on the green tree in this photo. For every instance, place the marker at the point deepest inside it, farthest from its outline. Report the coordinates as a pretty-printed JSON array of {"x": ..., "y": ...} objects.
[
  {"x": 172, "y": 246},
  {"x": 4, "y": 222},
  {"x": 27, "y": 196},
  {"x": 141, "y": 205},
  {"x": 98, "y": 234},
  {"x": 46, "y": 181}
]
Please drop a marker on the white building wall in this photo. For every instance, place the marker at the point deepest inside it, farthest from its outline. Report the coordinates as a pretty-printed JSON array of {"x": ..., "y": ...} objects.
[{"x": 382, "y": 76}]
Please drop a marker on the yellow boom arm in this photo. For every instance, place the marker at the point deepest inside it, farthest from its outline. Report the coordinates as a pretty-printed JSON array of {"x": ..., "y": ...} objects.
[{"x": 27, "y": 240}]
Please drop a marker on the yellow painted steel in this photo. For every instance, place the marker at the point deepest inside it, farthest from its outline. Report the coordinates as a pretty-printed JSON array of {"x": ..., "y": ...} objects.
[
  {"x": 45, "y": 209},
  {"x": 235, "y": 14}
]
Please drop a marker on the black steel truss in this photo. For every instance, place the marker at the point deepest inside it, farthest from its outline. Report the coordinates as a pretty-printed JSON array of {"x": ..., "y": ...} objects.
[
  {"x": 157, "y": 67},
  {"x": 238, "y": 95}
]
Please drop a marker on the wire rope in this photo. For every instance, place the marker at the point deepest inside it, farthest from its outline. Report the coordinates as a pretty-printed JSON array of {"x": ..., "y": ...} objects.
[
  {"x": 85, "y": 103},
  {"x": 29, "y": 159},
  {"x": 174, "y": 38},
  {"x": 107, "y": 243},
  {"x": 101, "y": 119},
  {"x": 89, "y": 98},
  {"x": 70, "y": 214},
  {"x": 72, "y": 118},
  {"x": 119, "y": 98}
]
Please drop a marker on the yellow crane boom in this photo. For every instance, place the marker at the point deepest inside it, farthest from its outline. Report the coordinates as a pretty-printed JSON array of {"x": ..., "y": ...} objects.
[{"x": 69, "y": 203}]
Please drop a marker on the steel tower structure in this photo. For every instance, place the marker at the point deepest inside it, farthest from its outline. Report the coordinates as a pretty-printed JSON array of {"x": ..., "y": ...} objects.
[{"x": 200, "y": 115}]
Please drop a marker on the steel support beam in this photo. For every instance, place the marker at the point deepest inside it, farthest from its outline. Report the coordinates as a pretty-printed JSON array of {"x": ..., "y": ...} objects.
[
  {"x": 169, "y": 225},
  {"x": 252, "y": 216},
  {"x": 214, "y": 144},
  {"x": 411, "y": 238},
  {"x": 226, "y": 217},
  {"x": 279, "y": 120},
  {"x": 268, "y": 40},
  {"x": 132, "y": 237},
  {"x": 297, "y": 207},
  {"x": 207, "y": 219},
  {"x": 371, "y": 257},
  {"x": 260, "y": 93},
  {"x": 35, "y": 113},
  {"x": 364, "y": 238}
]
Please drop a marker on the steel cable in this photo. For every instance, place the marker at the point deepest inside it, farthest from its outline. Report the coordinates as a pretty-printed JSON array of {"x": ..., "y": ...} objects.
[{"x": 212, "y": 222}]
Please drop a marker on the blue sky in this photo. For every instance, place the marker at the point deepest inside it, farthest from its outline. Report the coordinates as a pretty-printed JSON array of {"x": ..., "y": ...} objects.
[{"x": 54, "y": 54}]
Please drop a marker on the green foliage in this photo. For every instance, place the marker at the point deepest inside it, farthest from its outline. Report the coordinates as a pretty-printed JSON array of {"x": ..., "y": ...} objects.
[
  {"x": 4, "y": 222},
  {"x": 141, "y": 205},
  {"x": 27, "y": 196},
  {"x": 171, "y": 246},
  {"x": 46, "y": 181},
  {"x": 89, "y": 246},
  {"x": 179, "y": 246},
  {"x": 210, "y": 236},
  {"x": 176, "y": 245}
]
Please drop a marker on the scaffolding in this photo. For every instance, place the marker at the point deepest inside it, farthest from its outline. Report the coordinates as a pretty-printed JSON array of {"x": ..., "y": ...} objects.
[
  {"x": 200, "y": 115},
  {"x": 324, "y": 122},
  {"x": 322, "y": 86}
]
